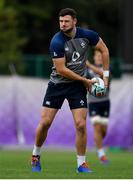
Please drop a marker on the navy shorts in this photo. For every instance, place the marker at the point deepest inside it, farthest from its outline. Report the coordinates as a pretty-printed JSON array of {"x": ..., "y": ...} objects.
[
  {"x": 99, "y": 108},
  {"x": 74, "y": 92}
]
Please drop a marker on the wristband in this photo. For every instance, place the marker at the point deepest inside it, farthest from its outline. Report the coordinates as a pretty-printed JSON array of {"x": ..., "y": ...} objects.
[{"x": 105, "y": 73}]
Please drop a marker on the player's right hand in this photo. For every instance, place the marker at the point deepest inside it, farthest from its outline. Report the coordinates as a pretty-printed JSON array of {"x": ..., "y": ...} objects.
[{"x": 88, "y": 83}]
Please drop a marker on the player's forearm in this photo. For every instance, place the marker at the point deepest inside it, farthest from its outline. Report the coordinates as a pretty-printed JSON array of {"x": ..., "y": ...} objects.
[
  {"x": 71, "y": 75},
  {"x": 105, "y": 58},
  {"x": 105, "y": 54},
  {"x": 106, "y": 67}
]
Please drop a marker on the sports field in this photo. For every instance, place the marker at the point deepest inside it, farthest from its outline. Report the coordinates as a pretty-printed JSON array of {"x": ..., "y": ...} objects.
[{"x": 62, "y": 164}]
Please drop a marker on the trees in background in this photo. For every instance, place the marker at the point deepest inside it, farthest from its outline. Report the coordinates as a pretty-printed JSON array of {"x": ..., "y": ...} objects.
[
  {"x": 26, "y": 26},
  {"x": 10, "y": 39}
]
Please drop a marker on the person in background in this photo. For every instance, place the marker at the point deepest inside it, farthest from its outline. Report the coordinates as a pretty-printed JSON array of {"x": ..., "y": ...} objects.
[{"x": 99, "y": 108}]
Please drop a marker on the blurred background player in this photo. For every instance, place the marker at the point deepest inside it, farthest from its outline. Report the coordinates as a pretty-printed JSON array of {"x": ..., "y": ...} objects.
[{"x": 99, "y": 108}]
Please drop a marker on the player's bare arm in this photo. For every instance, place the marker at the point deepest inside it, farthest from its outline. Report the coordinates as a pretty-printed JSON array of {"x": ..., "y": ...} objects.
[
  {"x": 94, "y": 68},
  {"x": 61, "y": 69},
  {"x": 105, "y": 58}
]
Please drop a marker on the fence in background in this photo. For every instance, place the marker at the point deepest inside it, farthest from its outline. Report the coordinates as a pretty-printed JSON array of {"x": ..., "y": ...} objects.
[
  {"x": 40, "y": 66},
  {"x": 37, "y": 65}
]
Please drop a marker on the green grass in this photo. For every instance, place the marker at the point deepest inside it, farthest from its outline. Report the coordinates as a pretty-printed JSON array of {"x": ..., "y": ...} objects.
[{"x": 62, "y": 165}]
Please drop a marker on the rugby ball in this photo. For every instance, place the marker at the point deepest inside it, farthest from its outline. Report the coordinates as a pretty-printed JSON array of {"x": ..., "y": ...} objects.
[{"x": 97, "y": 89}]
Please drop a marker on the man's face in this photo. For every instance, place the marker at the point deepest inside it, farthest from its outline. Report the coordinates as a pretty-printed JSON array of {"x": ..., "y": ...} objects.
[
  {"x": 98, "y": 58},
  {"x": 67, "y": 23}
]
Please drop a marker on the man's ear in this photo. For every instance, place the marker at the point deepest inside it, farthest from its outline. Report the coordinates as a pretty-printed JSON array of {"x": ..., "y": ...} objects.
[{"x": 75, "y": 21}]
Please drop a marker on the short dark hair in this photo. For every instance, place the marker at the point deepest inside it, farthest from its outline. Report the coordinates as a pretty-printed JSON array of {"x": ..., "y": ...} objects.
[{"x": 68, "y": 11}]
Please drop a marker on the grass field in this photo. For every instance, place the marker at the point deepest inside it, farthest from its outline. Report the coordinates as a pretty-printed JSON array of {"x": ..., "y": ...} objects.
[{"x": 62, "y": 165}]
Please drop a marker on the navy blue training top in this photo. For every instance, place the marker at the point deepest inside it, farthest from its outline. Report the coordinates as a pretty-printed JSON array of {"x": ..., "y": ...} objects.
[{"x": 75, "y": 51}]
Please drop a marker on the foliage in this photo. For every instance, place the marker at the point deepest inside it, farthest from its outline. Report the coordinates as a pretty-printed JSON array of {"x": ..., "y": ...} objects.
[
  {"x": 39, "y": 20},
  {"x": 26, "y": 26},
  {"x": 10, "y": 40}
]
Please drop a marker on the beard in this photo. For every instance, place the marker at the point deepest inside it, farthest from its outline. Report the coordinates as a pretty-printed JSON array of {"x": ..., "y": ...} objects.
[{"x": 67, "y": 31}]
